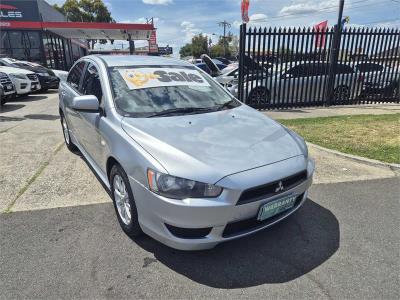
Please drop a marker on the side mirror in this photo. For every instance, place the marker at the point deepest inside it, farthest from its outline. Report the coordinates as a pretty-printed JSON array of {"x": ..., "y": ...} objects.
[{"x": 88, "y": 103}]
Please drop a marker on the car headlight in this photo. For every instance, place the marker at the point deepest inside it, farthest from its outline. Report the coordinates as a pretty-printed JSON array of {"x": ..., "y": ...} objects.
[
  {"x": 18, "y": 75},
  {"x": 180, "y": 188},
  {"x": 43, "y": 74}
]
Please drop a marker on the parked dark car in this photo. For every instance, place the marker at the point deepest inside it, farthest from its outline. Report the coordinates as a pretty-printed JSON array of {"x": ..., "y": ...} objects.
[
  {"x": 47, "y": 78},
  {"x": 224, "y": 60},
  {"x": 379, "y": 80},
  {"x": 206, "y": 69}
]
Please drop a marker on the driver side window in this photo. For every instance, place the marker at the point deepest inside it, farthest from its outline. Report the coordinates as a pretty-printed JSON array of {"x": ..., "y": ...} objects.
[{"x": 91, "y": 84}]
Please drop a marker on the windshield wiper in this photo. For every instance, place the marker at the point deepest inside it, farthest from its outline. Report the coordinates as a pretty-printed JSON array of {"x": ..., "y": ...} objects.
[
  {"x": 229, "y": 104},
  {"x": 181, "y": 110}
]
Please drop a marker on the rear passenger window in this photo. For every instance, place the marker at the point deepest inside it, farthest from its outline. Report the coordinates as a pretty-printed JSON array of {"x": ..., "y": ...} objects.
[
  {"x": 91, "y": 82},
  {"x": 75, "y": 74}
]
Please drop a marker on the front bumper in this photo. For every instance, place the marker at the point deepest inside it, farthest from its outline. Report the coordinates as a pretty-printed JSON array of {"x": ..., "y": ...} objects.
[
  {"x": 22, "y": 86},
  {"x": 215, "y": 216},
  {"x": 49, "y": 82}
]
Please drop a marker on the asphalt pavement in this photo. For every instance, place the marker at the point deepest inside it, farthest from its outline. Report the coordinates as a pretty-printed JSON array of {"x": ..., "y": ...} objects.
[
  {"x": 343, "y": 243},
  {"x": 60, "y": 237}
]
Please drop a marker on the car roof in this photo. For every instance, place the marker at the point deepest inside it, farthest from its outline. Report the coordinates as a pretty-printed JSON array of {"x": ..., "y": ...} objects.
[{"x": 140, "y": 60}]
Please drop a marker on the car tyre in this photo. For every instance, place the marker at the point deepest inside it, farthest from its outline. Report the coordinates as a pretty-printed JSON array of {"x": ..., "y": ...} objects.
[
  {"x": 258, "y": 97},
  {"x": 67, "y": 138},
  {"x": 341, "y": 94},
  {"x": 124, "y": 203}
]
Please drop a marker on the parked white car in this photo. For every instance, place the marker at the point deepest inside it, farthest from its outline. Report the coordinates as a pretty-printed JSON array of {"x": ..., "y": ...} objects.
[
  {"x": 24, "y": 81},
  {"x": 7, "y": 89}
]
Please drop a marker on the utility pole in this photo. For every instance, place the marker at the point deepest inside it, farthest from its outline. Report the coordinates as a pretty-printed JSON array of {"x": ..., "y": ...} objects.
[
  {"x": 224, "y": 24},
  {"x": 334, "y": 55}
]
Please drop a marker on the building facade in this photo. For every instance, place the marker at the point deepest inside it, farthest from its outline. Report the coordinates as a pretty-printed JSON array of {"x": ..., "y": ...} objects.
[{"x": 22, "y": 36}]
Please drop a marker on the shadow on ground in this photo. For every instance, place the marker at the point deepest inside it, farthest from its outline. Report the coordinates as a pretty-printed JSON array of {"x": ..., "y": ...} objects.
[
  {"x": 8, "y": 107},
  {"x": 279, "y": 254},
  {"x": 44, "y": 117}
]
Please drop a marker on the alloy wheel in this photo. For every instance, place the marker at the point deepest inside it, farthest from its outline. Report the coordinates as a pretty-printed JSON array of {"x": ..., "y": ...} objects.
[
  {"x": 65, "y": 130},
  {"x": 122, "y": 202},
  {"x": 341, "y": 93}
]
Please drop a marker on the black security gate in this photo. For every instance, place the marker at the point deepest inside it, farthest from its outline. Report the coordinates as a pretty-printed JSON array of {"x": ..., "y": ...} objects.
[{"x": 298, "y": 67}]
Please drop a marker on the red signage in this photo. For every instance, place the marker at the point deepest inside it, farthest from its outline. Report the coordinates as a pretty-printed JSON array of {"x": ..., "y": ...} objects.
[
  {"x": 321, "y": 35},
  {"x": 245, "y": 10},
  {"x": 153, "y": 42}
]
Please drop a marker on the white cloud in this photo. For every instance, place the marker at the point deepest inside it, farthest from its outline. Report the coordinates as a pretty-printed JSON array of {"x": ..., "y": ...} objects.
[
  {"x": 307, "y": 7},
  {"x": 157, "y": 2},
  {"x": 189, "y": 29},
  {"x": 258, "y": 18}
]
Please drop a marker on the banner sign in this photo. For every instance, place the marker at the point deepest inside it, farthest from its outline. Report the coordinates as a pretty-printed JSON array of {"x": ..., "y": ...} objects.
[
  {"x": 21, "y": 10},
  {"x": 245, "y": 10},
  {"x": 142, "y": 78},
  {"x": 320, "y": 37}
]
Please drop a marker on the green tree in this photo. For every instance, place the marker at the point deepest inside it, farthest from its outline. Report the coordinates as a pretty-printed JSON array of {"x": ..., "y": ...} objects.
[
  {"x": 186, "y": 50},
  {"x": 86, "y": 11},
  {"x": 199, "y": 45},
  {"x": 217, "y": 50}
]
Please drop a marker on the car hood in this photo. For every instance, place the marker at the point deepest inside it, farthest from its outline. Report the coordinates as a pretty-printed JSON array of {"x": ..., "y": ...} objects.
[
  {"x": 207, "y": 147},
  {"x": 10, "y": 70}
]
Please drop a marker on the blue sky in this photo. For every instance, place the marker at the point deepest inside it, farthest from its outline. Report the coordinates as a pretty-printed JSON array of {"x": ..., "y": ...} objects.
[{"x": 178, "y": 20}]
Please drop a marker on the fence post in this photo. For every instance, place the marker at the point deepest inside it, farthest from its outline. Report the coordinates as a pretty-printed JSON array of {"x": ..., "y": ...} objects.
[
  {"x": 242, "y": 43},
  {"x": 334, "y": 56}
]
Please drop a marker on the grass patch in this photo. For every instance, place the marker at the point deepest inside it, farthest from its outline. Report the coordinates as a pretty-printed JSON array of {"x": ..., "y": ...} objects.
[{"x": 372, "y": 136}]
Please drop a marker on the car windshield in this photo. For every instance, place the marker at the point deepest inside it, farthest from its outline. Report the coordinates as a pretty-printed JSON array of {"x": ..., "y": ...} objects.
[{"x": 153, "y": 90}]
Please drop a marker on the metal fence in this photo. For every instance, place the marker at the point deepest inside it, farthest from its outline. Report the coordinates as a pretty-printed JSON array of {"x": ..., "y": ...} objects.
[{"x": 298, "y": 67}]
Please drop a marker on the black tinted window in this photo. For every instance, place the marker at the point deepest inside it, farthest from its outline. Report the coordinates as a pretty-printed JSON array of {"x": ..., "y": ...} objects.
[
  {"x": 369, "y": 67},
  {"x": 75, "y": 74},
  {"x": 91, "y": 82},
  {"x": 344, "y": 69}
]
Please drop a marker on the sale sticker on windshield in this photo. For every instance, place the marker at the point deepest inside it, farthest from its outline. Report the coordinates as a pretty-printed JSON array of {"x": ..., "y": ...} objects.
[{"x": 142, "y": 78}]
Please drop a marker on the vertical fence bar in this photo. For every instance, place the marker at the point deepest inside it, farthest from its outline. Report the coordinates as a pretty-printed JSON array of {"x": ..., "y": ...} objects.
[
  {"x": 292, "y": 58},
  {"x": 246, "y": 79},
  {"x": 300, "y": 77},
  {"x": 397, "y": 71},
  {"x": 295, "y": 88},
  {"x": 242, "y": 42},
  {"x": 272, "y": 85},
  {"x": 351, "y": 36},
  {"x": 381, "y": 58},
  {"x": 387, "y": 70},
  {"x": 391, "y": 54},
  {"x": 261, "y": 101},
  {"x": 263, "y": 83},
  {"x": 287, "y": 51},
  {"x": 281, "y": 50}
]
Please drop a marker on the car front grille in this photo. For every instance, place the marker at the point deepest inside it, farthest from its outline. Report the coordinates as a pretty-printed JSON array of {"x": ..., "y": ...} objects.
[
  {"x": 251, "y": 224},
  {"x": 272, "y": 188},
  {"x": 4, "y": 79},
  {"x": 32, "y": 77}
]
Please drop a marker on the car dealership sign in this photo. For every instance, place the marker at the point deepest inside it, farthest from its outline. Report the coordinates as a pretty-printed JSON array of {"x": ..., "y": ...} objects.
[{"x": 19, "y": 11}]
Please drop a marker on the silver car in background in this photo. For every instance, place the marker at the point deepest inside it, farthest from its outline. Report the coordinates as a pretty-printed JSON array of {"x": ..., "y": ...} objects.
[
  {"x": 185, "y": 162},
  {"x": 298, "y": 81}
]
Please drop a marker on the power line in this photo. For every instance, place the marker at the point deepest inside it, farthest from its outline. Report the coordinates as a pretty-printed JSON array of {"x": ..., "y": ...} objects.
[{"x": 325, "y": 9}]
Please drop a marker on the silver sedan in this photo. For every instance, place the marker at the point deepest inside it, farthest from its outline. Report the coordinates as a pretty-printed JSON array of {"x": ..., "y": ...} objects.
[{"x": 185, "y": 162}]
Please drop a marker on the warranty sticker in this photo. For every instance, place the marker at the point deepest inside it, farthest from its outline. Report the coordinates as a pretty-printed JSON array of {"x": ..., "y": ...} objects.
[{"x": 142, "y": 78}]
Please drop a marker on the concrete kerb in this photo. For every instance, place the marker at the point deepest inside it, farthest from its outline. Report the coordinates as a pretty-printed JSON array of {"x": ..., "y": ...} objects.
[{"x": 372, "y": 162}]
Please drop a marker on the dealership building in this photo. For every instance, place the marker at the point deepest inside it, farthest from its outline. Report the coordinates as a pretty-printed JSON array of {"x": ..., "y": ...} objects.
[{"x": 33, "y": 30}]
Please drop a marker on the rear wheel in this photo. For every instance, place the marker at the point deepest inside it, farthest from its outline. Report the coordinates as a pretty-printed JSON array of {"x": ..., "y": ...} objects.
[
  {"x": 341, "y": 94},
  {"x": 67, "y": 137},
  {"x": 124, "y": 203}
]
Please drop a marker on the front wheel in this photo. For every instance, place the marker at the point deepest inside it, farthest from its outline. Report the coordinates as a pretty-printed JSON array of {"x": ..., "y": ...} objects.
[
  {"x": 67, "y": 137},
  {"x": 124, "y": 202}
]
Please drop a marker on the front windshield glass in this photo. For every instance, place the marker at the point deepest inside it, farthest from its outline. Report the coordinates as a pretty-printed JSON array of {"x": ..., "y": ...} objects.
[{"x": 148, "y": 90}]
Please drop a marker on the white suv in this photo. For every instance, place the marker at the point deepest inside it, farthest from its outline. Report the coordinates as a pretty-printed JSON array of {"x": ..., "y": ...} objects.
[{"x": 24, "y": 81}]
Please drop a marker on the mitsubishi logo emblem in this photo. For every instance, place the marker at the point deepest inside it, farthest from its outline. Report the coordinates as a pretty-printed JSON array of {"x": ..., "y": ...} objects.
[{"x": 279, "y": 187}]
